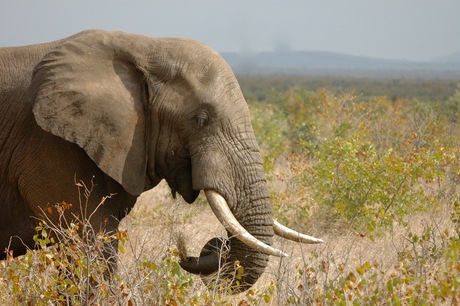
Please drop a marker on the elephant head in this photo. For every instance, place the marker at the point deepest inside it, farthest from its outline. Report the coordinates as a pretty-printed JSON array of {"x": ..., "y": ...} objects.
[{"x": 146, "y": 109}]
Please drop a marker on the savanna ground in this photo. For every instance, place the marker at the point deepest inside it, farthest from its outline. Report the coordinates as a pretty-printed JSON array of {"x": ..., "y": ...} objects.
[{"x": 372, "y": 170}]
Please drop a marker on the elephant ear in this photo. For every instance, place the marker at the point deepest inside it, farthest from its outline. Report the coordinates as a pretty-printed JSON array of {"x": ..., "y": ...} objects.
[{"x": 89, "y": 92}]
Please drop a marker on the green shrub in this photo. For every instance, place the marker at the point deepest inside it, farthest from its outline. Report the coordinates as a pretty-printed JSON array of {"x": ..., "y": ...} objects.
[{"x": 371, "y": 164}]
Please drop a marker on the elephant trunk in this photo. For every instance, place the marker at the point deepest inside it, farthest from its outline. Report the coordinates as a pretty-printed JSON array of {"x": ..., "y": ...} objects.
[
  {"x": 240, "y": 260},
  {"x": 250, "y": 262}
]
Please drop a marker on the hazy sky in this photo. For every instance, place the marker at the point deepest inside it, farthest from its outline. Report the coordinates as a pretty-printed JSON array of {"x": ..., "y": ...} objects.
[{"x": 397, "y": 29}]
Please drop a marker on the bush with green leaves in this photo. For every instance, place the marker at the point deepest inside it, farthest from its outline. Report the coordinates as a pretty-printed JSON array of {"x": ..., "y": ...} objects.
[
  {"x": 70, "y": 263},
  {"x": 372, "y": 163}
]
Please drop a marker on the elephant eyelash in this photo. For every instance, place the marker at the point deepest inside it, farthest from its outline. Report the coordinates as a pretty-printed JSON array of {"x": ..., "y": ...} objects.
[{"x": 202, "y": 118}]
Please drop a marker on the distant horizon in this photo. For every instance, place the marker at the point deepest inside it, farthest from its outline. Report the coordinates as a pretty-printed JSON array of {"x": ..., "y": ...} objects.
[
  {"x": 455, "y": 54},
  {"x": 420, "y": 30},
  {"x": 317, "y": 63},
  {"x": 250, "y": 53},
  {"x": 286, "y": 50}
]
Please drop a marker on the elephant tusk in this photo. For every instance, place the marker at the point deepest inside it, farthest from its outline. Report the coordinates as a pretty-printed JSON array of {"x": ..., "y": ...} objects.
[
  {"x": 290, "y": 234},
  {"x": 223, "y": 213}
]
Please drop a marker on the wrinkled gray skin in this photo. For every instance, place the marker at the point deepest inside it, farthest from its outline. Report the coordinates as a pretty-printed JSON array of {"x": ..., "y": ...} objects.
[{"x": 129, "y": 110}]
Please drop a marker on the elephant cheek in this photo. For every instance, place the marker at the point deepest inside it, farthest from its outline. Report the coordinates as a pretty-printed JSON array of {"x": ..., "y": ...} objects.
[{"x": 211, "y": 171}]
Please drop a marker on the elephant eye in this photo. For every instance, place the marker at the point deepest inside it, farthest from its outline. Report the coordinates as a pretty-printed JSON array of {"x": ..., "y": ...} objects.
[{"x": 202, "y": 118}]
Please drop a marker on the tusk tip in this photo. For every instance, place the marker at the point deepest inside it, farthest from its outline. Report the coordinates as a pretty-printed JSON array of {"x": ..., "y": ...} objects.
[
  {"x": 290, "y": 234},
  {"x": 313, "y": 240}
]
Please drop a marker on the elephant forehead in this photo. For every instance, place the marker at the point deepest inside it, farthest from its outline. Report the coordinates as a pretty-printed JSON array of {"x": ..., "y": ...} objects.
[
  {"x": 208, "y": 71},
  {"x": 206, "y": 68}
]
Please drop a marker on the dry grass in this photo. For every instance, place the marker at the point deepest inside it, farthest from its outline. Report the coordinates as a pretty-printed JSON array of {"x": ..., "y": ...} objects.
[
  {"x": 311, "y": 272},
  {"x": 348, "y": 268}
]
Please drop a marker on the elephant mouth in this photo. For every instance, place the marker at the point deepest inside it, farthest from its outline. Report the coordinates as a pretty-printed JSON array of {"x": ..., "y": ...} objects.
[{"x": 188, "y": 194}]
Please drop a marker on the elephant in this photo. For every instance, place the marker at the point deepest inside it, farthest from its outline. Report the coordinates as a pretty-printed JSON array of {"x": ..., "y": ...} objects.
[{"x": 126, "y": 111}]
